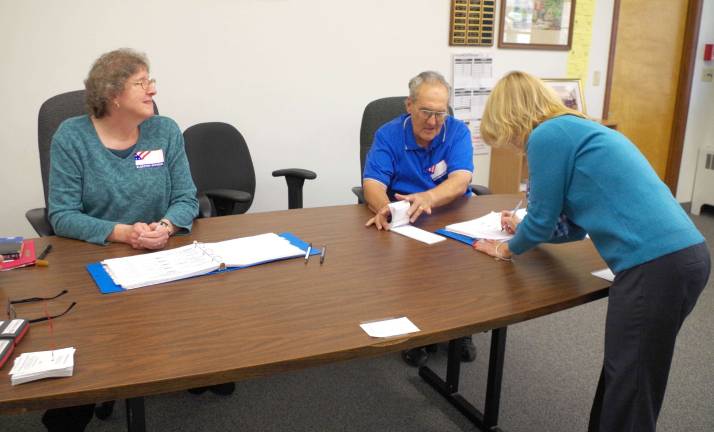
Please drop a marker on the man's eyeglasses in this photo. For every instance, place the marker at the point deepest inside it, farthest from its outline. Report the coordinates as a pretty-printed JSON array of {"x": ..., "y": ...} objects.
[
  {"x": 11, "y": 314},
  {"x": 145, "y": 83},
  {"x": 426, "y": 114}
]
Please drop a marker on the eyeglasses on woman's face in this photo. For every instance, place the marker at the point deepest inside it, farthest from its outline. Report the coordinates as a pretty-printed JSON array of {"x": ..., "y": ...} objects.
[{"x": 145, "y": 83}]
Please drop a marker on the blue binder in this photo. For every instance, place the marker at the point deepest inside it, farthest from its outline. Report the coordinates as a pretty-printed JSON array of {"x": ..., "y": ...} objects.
[
  {"x": 107, "y": 286},
  {"x": 458, "y": 237}
]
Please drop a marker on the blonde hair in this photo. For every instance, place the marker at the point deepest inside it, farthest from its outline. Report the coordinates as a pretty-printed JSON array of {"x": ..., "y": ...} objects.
[{"x": 518, "y": 103}]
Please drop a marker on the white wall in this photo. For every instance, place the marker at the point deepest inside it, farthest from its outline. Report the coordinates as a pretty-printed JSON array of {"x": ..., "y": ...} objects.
[
  {"x": 700, "y": 124},
  {"x": 292, "y": 75}
]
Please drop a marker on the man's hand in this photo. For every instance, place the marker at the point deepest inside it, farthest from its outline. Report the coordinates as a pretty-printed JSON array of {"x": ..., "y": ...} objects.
[
  {"x": 380, "y": 219},
  {"x": 421, "y": 202}
]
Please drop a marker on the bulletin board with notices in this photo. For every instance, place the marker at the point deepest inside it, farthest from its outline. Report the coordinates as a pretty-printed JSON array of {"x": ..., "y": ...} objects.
[
  {"x": 472, "y": 83},
  {"x": 472, "y": 22}
]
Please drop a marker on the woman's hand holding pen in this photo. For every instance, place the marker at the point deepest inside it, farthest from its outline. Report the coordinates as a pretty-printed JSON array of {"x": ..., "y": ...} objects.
[{"x": 509, "y": 221}]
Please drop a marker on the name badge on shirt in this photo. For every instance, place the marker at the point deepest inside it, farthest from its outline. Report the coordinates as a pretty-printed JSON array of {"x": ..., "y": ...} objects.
[
  {"x": 437, "y": 171},
  {"x": 149, "y": 158}
]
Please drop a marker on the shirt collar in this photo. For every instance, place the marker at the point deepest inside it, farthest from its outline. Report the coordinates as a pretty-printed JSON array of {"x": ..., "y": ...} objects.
[{"x": 409, "y": 139}]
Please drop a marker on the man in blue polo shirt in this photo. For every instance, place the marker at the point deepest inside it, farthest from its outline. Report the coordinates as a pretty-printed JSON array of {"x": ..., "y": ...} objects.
[{"x": 424, "y": 157}]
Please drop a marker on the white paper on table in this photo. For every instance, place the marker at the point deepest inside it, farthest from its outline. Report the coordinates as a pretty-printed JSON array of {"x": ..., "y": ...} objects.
[
  {"x": 418, "y": 234},
  {"x": 400, "y": 224},
  {"x": 390, "y": 327},
  {"x": 605, "y": 273},
  {"x": 42, "y": 364},
  {"x": 486, "y": 227}
]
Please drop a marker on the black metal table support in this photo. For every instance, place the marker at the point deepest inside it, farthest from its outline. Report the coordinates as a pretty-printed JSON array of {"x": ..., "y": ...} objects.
[
  {"x": 488, "y": 420},
  {"x": 135, "y": 416}
]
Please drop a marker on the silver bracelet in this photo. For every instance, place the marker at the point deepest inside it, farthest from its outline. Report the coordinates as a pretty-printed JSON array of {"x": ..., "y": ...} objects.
[{"x": 498, "y": 254}]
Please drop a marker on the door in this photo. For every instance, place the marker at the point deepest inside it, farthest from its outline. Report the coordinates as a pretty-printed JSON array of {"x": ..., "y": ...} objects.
[{"x": 649, "y": 77}]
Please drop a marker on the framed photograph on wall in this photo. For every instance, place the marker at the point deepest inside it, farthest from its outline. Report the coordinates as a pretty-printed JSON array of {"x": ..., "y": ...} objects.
[
  {"x": 536, "y": 24},
  {"x": 570, "y": 91}
]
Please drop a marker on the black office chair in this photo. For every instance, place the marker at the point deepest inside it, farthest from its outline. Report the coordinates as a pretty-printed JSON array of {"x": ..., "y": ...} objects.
[
  {"x": 222, "y": 169},
  {"x": 377, "y": 113},
  {"x": 53, "y": 112}
]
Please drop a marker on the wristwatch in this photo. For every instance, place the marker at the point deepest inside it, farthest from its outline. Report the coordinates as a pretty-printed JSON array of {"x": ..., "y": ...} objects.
[{"x": 167, "y": 224}]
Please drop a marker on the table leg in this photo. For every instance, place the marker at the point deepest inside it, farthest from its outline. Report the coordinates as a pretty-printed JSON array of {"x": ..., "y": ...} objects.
[
  {"x": 135, "y": 418},
  {"x": 488, "y": 420}
]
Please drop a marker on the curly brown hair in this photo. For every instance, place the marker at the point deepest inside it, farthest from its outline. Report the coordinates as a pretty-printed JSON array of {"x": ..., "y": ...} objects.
[{"x": 108, "y": 76}]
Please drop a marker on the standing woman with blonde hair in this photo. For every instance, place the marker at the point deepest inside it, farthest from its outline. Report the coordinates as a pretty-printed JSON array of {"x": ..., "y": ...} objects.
[{"x": 586, "y": 178}]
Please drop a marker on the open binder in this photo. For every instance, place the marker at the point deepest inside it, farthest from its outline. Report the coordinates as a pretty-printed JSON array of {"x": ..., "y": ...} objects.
[{"x": 119, "y": 274}]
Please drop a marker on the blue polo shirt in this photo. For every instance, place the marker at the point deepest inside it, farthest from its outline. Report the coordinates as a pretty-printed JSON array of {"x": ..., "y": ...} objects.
[{"x": 397, "y": 161}]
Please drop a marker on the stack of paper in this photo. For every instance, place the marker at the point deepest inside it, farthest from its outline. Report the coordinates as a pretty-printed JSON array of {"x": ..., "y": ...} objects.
[
  {"x": 43, "y": 364},
  {"x": 485, "y": 227}
]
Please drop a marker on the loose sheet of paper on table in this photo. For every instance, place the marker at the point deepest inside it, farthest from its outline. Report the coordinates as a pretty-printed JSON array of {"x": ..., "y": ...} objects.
[
  {"x": 390, "y": 327},
  {"x": 400, "y": 224}
]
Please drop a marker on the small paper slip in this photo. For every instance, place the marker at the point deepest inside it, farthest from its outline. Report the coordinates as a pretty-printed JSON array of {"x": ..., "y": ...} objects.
[
  {"x": 486, "y": 227},
  {"x": 606, "y": 274},
  {"x": 400, "y": 224},
  {"x": 42, "y": 364},
  {"x": 418, "y": 234},
  {"x": 390, "y": 327}
]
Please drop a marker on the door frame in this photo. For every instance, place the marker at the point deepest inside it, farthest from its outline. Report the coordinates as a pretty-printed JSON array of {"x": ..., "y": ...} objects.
[{"x": 684, "y": 85}]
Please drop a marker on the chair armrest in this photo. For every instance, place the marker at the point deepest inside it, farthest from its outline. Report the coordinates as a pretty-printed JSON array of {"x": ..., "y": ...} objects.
[
  {"x": 359, "y": 192},
  {"x": 295, "y": 178},
  {"x": 205, "y": 207},
  {"x": 480, "y": 190},
  {"x": 295, "y": 172},
  {"x": 40, "y": 222},
  {"x": 234, "y": 195}
]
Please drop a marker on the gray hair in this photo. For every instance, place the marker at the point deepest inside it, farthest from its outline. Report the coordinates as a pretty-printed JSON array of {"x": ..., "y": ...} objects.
[
  {"x": 108, "y": 76},
  {"x": 429, "y": 77}
]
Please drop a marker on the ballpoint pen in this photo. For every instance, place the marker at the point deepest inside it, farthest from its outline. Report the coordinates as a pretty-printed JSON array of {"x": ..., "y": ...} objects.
[
  {"x": 322, "y": 254},
  {"x": 513, "y": 212},
  {"x": 307, "y": 253},
  {"x": 40, "y": 261}
]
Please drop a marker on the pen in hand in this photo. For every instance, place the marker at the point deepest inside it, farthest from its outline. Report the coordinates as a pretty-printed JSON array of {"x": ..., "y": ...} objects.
[
  {"x": 307, "y": 253},
  {"x": 513, "y": 213}
]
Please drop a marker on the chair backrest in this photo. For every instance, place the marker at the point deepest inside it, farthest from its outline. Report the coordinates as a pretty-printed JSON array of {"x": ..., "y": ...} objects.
[
  {"x": 220, "y": 159},
  {"x": 53, "y": 112},
  {"x": 377, "y": 113}
]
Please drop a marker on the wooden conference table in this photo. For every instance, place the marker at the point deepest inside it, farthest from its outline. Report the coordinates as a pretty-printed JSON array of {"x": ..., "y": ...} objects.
[{"x": 287, "y": 315}]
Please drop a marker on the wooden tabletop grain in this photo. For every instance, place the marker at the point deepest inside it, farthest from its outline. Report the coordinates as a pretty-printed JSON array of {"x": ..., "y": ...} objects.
[{"x": 284, "y": 315}]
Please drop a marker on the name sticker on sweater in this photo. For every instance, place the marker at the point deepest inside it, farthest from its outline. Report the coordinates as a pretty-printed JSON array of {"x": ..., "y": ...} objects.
[
  {"x": 149, "y": 158},
  {"x": 438, "y": 170}
]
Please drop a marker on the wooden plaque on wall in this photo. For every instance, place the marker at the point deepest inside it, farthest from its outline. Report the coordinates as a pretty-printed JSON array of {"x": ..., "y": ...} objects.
[{"x": 472, "y": 22}]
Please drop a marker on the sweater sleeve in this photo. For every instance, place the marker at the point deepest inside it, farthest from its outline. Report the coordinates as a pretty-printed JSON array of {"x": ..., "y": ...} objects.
[
  {"x": 550, "y": 163},
  {"x": 66, "y": 212},
  {"x": 183, "y": 206}
]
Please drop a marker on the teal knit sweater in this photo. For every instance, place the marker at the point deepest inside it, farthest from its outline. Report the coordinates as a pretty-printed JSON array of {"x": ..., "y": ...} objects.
[
  {"x": 603, "y": 184},
  {"x": 92, "y": 189}
]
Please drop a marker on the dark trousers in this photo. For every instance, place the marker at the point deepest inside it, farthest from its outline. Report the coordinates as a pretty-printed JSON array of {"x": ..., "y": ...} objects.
[
  {"x": 70, "y": 419},
  {"x": 647, "y": 306}
]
